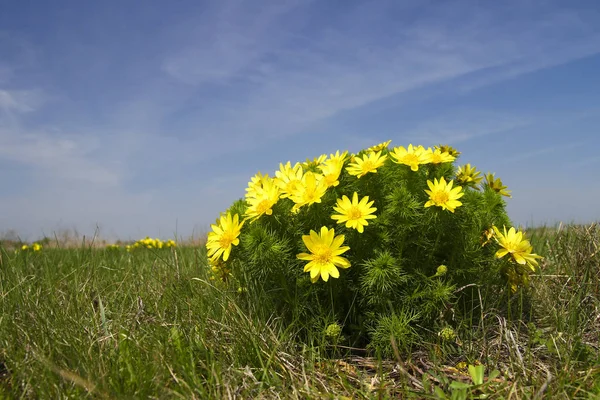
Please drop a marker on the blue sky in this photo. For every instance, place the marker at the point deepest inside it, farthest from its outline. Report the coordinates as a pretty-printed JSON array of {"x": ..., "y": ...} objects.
[{"x": 147, "y": 118}]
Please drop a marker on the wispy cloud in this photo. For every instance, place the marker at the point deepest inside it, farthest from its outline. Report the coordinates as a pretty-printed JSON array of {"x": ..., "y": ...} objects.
[{"x": 343, "y": 67}]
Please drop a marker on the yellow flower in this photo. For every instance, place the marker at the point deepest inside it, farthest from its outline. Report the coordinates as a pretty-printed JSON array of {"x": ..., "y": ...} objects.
[
  {"x": 365, "y": 164},
  {"x": 171, "y": 243},
  {"x": 315, "y": 161},
  {"x": 224, "y": 236},
  {"x": 380, "y": 146},
  {"x": 332, "y": 167},
  {"x": 444, "y": 148},
  {"x": 311, "y": 190},
  {"x": 515, "y": 244},
  {"x": 355, "y": 213},
  {"x": 255, "y": 183},
  {"x": 37, "y": 247},
  {"x": 436, "y": 156},
  {"x": 263, "y": 200},
  {"x": 468, "y": 175},
  {"x": 288, "y": 178},
  {"x": 496, "y": 185},
  {"x": 413, "y": 156},
  {"x": 324, "y": 258},
  {"x": 24, "y": 247},
  {"x": 442, "y": 194}
]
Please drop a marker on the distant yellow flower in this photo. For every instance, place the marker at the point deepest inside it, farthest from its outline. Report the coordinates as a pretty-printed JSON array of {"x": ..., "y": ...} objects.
[
  {"x": 442, "y": 194},
  {"x": 365, "y": 164},
  {"x": 332, "y": 167},
  {"x": 496, "y": 185},
  {"x": 380, "y": 146},
  {"x": 311, "y": 190},
  {"x": 436, "y": 156},
  {"x": 288, "y": 178},
  {"x": 355, "y": 213},
  {"x": 324, "y": 257},
  {"x": 468, "y": 175},
  {"x": 224, "y": 236},
  {"x": 171, "y": 243},
  {"x": 515, "y": 244},
  {"x": 24, "y": 247},
  {"x": 413, "y": 156},
  {"x": 37, "y": 247},
  {"x": 263, "y": 200}
]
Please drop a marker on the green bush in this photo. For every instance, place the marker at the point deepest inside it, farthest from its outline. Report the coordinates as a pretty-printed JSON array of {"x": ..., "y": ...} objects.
[{"x": 384, "y": 243}]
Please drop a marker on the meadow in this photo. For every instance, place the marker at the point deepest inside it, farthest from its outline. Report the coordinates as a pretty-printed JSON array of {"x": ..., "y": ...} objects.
[{"x": 89, "y": 322}]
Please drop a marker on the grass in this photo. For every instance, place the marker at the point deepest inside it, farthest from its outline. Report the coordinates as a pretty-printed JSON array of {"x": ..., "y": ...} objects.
[{"x": 93, "y": 323}]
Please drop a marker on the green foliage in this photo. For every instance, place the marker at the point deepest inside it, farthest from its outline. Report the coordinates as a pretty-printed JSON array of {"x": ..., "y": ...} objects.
[
  {"x": 393, "y": 287},
  {"x": 96, "y": 323}
]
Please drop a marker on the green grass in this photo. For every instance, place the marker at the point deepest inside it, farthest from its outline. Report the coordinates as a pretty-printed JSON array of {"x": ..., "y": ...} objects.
[{"x": 77, "y": 323}]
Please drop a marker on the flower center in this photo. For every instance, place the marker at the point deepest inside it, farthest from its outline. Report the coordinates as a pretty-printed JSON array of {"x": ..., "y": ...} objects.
[
  {"x": 226, "y": 239},
  {"x": 263, "y": 206},
  {"x": 368, "y": 166},
  {"x": 354, "y": 213},
  {"x": 411, "y": 159},
  {"x": 323, "y": 255},
  {"x": 292, "y": 186},
  {"x": 440, "y": 197},
  {"x": 331, "y": 178}
]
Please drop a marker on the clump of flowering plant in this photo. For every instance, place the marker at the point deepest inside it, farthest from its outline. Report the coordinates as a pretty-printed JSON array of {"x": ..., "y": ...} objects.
[{"x": 376, "y": 242}]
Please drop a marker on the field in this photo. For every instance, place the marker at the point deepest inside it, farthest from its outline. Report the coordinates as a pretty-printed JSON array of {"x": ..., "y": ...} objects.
[{"x": 86, "y": 322}]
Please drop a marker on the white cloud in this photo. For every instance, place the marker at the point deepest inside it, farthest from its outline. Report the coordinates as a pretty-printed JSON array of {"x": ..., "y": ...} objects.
[{"x": 58, "y": 157}]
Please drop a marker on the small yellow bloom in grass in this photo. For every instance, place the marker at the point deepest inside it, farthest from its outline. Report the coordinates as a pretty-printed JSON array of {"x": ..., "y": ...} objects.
[
  {"x": 24, "y": 247},
  {"x": 36, "y": 247},
  {"x": 224, "y": 236},
  {"x": 436, "y": 156},
  {"x": 332, "y": 167},
  {"x": 496, "y": 185},
  {"x": 468, "y": 175},
  {"x": 443, "y": 195},
  {"x": 288, "y": 178},
  {"x": 311, "y": 190},
  {"x": 324, "y": 257},
  {"x": 413, "y": 156},
  {"x": 365, "y": 164},
  {"x": 263, "y": 200},
  {"x": 380, "y": 146},
  {"x": 515, "y": 244},
  {"x": 355, "y": 213}
]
